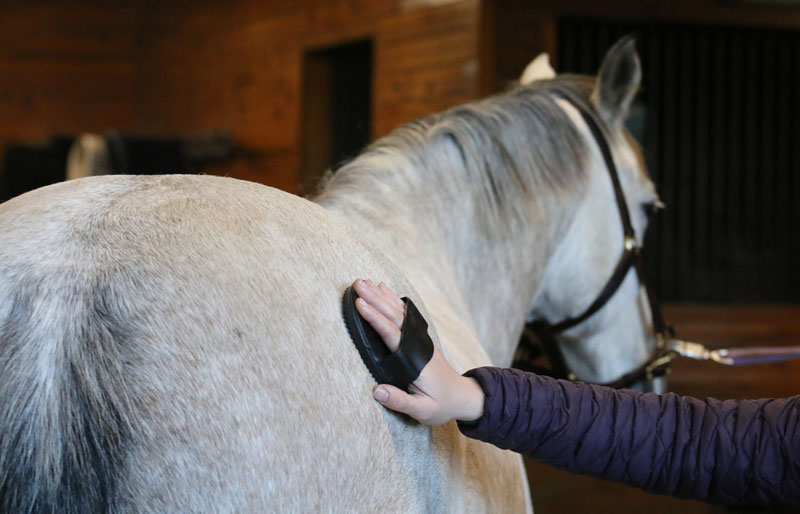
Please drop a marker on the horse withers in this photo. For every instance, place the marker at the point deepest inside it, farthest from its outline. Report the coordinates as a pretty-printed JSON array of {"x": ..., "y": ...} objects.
[{"x": 175, "y": 343}]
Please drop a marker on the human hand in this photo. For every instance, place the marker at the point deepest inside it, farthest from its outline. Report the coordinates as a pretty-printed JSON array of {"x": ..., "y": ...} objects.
[{"x": 439, "y": 394}]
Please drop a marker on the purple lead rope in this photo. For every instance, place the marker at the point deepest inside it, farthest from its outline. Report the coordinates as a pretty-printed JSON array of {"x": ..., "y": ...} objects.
[
  {"x": 734, "y": 356},
  {"x": 759, "y": 355}
]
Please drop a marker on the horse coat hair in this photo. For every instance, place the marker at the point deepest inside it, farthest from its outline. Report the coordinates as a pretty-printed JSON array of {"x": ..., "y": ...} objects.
[{"x": 175, "y": 343}]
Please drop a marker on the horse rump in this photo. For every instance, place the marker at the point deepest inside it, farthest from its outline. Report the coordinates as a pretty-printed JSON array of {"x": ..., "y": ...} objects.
[{"x": 63, "y": 412}]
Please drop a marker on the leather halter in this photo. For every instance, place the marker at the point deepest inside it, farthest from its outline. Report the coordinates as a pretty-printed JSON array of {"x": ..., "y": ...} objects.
[{"x": 631, "y": 257}]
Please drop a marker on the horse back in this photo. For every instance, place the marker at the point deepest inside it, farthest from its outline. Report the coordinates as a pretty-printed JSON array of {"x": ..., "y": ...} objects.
[{"x": 176, "y": 343}]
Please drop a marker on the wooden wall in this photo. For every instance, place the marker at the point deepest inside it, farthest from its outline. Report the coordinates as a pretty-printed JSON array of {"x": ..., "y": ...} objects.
[
  {"x": 182, "y": 68},
  {"x": 65, "y": 69}
]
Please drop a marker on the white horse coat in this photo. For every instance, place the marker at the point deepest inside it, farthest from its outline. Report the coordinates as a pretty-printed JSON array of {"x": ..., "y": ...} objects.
[{"x": 176, "y": 343}]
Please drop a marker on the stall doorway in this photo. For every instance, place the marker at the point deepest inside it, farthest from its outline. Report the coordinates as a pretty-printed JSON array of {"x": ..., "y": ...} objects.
[{"x": 337, "y": 110}]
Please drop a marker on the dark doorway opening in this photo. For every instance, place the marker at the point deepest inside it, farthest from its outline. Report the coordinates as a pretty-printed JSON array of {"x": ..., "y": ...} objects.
[{"x": 337, "y": 108}]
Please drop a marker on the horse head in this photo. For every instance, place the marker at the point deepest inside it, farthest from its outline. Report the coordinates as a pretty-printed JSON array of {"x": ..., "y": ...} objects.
[{"x": 618, "y": 336}]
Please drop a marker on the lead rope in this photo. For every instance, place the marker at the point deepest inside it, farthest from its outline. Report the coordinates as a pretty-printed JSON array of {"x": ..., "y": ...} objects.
[{"x": 743, "y": 356}]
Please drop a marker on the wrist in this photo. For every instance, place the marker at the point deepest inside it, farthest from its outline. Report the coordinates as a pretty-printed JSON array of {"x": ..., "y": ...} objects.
[{"x": 472, "y": 398}]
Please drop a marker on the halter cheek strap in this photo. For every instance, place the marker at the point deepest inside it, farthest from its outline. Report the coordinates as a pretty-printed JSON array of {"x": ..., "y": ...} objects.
[
  {"x": 632, "y": 255},
  {"x": 631, "y": 258}
]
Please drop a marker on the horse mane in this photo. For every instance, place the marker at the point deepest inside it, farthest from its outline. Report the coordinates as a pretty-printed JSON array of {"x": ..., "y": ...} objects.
[{"x": 514, "y": 151}]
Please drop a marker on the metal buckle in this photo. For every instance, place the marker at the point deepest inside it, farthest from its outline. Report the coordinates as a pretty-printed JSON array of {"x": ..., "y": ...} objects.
[
  {"x": 632, "y": 245},
  {"x": 664, "y": 360},
  {"x": 697, "y": 351}
]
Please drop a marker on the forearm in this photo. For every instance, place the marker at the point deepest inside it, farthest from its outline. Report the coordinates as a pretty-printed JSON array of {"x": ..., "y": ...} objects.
[{"x": 726, "y": 452}]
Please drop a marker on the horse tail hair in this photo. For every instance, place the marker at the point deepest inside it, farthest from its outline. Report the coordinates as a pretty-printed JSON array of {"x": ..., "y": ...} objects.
[{"x": 64, "y": 413}]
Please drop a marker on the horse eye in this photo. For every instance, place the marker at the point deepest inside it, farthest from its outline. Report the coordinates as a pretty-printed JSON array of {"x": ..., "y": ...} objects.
[{"x": 651, "y": 209}]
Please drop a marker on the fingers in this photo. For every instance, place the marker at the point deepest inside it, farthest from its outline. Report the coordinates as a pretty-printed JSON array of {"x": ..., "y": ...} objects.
[
  {"x": 417, "y": 406},
  {"x": 384, "y": 310},
  {"x": 391, "y": 296},
  {"x": 383, "y": 299},
  {"x": 387, "y": 329}
]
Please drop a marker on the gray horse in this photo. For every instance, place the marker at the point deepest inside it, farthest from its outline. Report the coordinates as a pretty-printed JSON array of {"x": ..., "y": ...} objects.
[{"x": 175, "y": 343}]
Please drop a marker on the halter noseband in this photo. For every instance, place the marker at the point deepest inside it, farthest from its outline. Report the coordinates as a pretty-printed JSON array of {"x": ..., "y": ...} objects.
[{"x": 631, "y": 257}]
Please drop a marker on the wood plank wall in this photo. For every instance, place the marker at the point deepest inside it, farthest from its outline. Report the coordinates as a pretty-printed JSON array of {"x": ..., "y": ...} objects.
[
  {"x": 178, "y": 68},
  {"x": 182, "y": 68},
  {"x": 65, "y": 69}
]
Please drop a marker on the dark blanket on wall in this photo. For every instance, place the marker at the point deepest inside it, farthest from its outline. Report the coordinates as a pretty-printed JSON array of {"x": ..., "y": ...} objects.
[
  {"x": 146, "y": 155},
  {"x": 27, "y": 167}
]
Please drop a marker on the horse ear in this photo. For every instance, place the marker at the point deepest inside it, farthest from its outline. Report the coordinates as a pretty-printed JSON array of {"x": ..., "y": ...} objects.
[
  {"x": 538, "y": 69},
  {"x": 617, "y": 81}
]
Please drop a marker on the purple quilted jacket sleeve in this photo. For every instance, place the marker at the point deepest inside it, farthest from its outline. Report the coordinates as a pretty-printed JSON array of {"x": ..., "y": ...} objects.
[{"x": 717, "y": 451}]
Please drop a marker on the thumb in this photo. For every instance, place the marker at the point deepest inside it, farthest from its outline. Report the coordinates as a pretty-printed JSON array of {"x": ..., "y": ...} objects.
[{"x": 414, "y": 405}]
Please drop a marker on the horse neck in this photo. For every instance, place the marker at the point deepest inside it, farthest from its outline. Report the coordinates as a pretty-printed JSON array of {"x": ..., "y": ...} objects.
[
  {"x": 500, "y": 278},
  {"x": 444, "y": 247}
]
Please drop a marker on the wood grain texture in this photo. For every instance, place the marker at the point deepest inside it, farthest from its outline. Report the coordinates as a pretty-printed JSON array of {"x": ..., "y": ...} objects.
[
  {"x": 182, "y": 68},
  {"x": 64, "y": 70}
]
